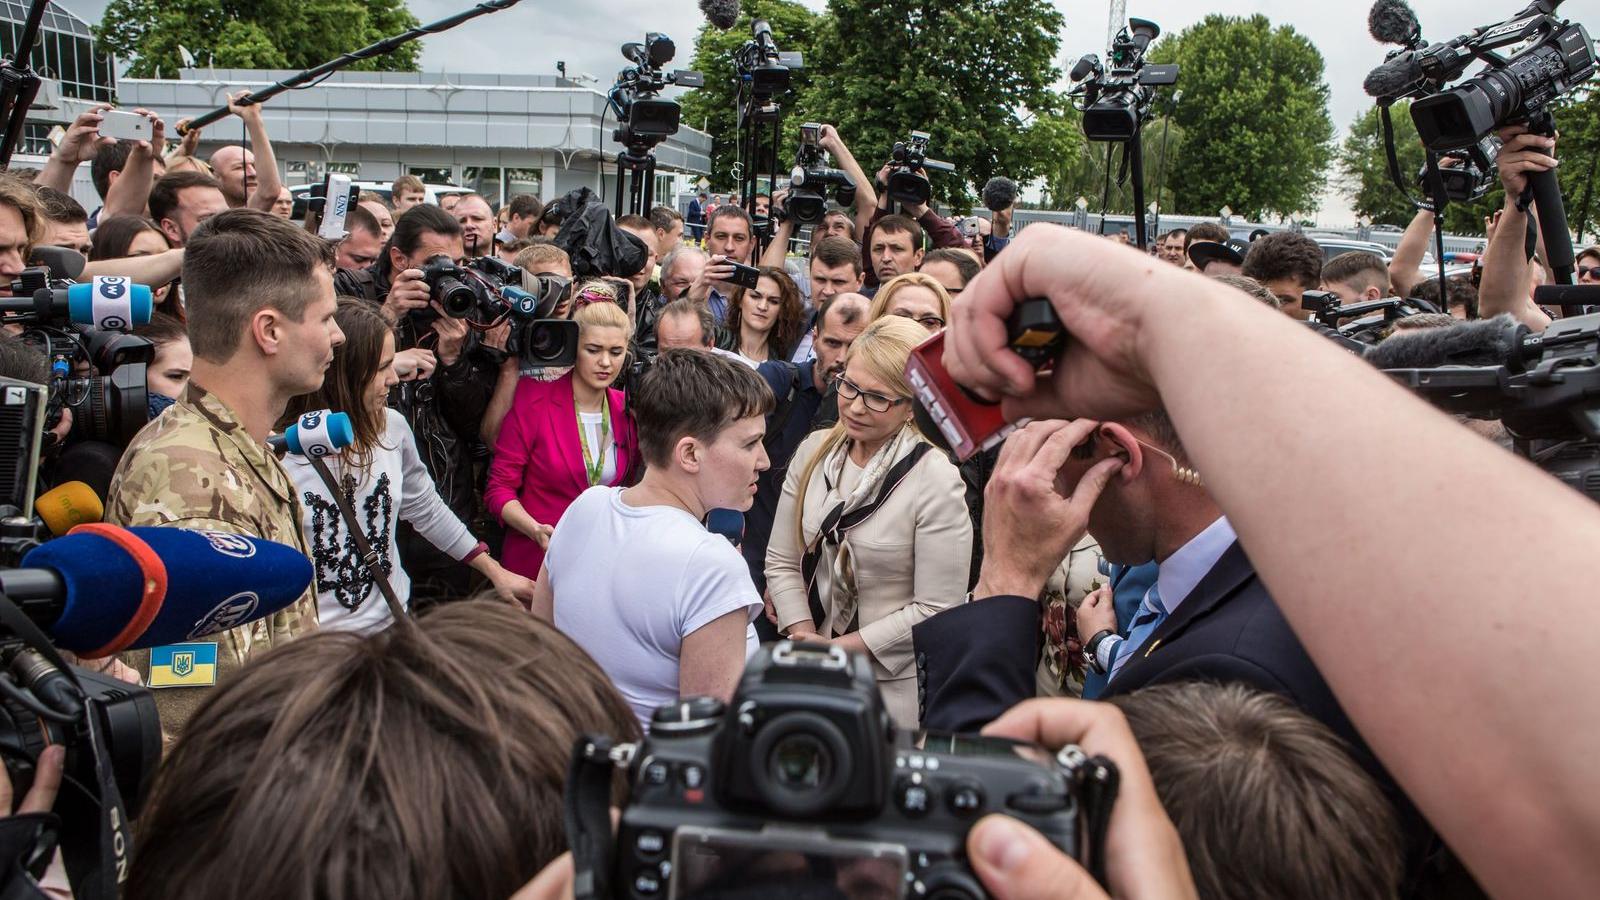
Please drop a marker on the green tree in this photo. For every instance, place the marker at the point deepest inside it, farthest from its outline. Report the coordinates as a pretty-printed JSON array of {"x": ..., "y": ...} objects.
[
  {"x": 975, "y": 74},
  {"x": 1082, "y": 173},
  {"x": 713, "y": 108},
  {"x": 1578, "y": 119},
  {"x": 252, "y": 34},
  {"x": 1363, "y": 164},
  {"x": 1258, "y": 137}
]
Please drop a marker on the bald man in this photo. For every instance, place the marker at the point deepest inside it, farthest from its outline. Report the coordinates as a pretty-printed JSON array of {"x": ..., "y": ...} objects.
[{"x": 243, "y": 184}]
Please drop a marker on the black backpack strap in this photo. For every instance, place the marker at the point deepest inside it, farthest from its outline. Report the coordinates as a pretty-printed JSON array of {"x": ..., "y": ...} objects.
[
  {"x": 780, "y": 412},
  {"x": 837, "y": 524},
  {"x": 369, "y": 557}
]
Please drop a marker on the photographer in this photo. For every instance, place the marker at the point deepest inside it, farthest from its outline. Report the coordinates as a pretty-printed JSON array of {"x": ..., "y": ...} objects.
[
  {"x": 261, "y": 325},
  {"x": 66, "y": 222},
  {"x": 21, "y": 223},
  {"x": 866, "y": 202},
  {"x": 180, "y": 201},
  {"x": 730, "y": 237},
  {"x": 898, "y": 255},
  {"x": 1137, "y": 342},
  {"x": 446, "y": 410},
  {"x": 1356, "y": 277}
]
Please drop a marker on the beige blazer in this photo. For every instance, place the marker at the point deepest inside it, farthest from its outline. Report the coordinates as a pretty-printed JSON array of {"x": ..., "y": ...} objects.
[{"x": 911, "y": 561}]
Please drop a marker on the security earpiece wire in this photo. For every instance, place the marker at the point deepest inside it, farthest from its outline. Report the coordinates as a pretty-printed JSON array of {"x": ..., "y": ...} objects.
[{"x": 1181, "y": 472}]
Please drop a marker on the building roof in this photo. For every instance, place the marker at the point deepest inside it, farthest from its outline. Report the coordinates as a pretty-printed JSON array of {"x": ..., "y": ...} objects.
[{"x": 55, "y": 18}]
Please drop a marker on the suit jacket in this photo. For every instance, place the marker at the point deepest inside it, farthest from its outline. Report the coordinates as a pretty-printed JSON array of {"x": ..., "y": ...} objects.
[
  {"x": 911, "y": 560},
  {"x": 538, "y": 461}
]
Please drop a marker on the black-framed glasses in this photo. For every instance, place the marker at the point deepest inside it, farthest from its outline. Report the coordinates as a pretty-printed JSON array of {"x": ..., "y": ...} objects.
[
  {"x": 929, "y": 321},
  {"x": 1589, "y": 271},
  {"x": 874, "y": 401}
]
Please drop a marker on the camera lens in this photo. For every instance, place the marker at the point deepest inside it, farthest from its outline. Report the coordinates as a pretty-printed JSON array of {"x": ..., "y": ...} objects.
[
  {"x": 457, "y": 297},
  {"x": 800, "y": 761}
]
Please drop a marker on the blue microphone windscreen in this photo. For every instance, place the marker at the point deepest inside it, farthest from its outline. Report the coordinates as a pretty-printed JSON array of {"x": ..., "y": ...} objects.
[
  {"x": 319, "y": 433},
  {"x": 110, "y": 302},
  {"x": 215, "y": 581}
]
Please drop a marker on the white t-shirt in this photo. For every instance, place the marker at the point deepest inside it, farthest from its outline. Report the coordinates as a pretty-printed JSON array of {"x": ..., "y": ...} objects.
[{"x": 633, "y": 618}]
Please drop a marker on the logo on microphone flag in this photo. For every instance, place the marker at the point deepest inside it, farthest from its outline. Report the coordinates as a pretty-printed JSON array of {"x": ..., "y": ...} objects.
[{"x": 183, "y": 665}]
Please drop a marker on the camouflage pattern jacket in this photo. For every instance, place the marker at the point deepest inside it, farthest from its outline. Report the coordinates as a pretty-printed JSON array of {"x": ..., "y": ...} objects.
[{"x": 195, "y": 466}]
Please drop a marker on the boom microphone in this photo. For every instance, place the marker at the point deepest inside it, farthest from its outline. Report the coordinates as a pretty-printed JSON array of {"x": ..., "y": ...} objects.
[
  {"x": 107, "y": 303},
  {"x": 721, "y": 13},
  {"x": 1393, "y": 22},
  {"x": 1394, "y": 78},
  {"x": 1487, "y": 342},
  {"x": 999, "y": 193},
  {"x": 103, "y": 589}
]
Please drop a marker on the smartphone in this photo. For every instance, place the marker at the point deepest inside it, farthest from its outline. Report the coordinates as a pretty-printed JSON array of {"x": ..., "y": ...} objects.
[
  {"x": 124, "y": 126},
  {"x": 743, "y": 275}
]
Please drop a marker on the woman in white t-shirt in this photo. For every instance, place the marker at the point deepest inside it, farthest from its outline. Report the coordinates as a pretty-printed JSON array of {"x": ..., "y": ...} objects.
[{"x": 383, "y": 479}]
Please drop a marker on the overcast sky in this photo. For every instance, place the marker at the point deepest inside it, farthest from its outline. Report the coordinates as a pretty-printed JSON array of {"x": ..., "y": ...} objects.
[{"x": 531, "y": 36}]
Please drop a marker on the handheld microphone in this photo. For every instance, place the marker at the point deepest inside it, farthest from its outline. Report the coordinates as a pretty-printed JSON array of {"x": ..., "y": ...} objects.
[
  {"x": 1486, "y": 342},
  {"x": 66, "y": 506},
  {"x": 107, "y": 303},
  {"x": 721, "y": 13},
  {"x": 999, "y": 193},
  {"x": 317, "y": 433},
  {"x": 1394, "y": 78},
  {"x": 103, "y": 589},
  {"x": 1393, "y": 22}
]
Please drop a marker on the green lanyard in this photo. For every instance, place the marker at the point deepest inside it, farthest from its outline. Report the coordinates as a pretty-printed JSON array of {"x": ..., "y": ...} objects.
[{"x": 596, "y": 464}]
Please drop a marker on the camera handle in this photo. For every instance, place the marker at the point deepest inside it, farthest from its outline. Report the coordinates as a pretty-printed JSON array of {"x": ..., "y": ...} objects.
[
  {"x": 1544, "y": 189},
  {"x": 586, "y": 813}
]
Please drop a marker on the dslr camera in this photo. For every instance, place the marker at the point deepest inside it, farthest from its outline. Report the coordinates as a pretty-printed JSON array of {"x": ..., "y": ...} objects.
[
  {"x": 1472, "y": 177},
  {"x": 1116, "y": 103},
  {"x": 909, "y": 164},
  {"x": 646, "y": 118},
  {"x": 487, "y": 291},
  {"x": 83, "y": 328},
  {"x": 811, "y": 177},
  {"x": 802, "y": 782}
]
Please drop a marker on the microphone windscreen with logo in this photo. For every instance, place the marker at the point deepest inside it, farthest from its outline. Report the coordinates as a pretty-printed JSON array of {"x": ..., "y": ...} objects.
[{"x": 66, "y": 506}]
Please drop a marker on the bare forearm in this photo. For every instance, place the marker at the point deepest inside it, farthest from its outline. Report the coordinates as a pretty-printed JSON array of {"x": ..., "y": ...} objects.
[
  {"x": 774, "y": 255},
  {"x": 518, "y": 518},
  {"x": 1383, "y": 617},
  {"x": 1504, "y": 287},
  {"x": 1405, "y": 270},
  {"x": 154, "y": 270},
  {"x": 130, "y": 193},
  {"x": 57, "y": 173},
  {"x": 268, "y": 185},
  {"x": 866, "y": 193}
]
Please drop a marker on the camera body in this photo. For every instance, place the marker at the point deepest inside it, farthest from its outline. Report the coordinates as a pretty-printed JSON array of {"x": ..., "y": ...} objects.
[
  {"x": 489, "y": 289},
  {"x": 1116, "y": 103},
  {"x": 1474, "y": 177},
  {"x": 646, "y": 118},
  {"x": 909, "y": 163},
  {"x": 811, "y": 178},
  {"x": 803, "y": 778}
]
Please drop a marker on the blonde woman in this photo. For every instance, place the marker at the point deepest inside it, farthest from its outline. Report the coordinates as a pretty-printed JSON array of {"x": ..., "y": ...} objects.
[
  {"x": 914, "y": 296},
  {"x": 899, "y": 540}
]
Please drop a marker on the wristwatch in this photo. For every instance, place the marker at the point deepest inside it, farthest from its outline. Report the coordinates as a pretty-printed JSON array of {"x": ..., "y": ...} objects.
[{"x": 1090, "y": 657}]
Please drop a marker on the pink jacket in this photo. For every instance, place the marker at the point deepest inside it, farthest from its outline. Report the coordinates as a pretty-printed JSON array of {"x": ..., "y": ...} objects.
[{"x": 538, "y": 461}]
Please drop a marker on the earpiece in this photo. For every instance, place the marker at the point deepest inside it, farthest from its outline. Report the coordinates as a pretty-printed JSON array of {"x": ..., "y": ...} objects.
[{"x": 1182, "y": 473}]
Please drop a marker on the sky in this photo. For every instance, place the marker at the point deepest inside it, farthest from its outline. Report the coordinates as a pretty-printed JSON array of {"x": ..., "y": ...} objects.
[{"x": 529, "y": 38}]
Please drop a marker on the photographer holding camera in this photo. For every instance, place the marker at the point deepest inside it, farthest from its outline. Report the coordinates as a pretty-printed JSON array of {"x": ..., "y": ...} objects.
[{"x": 888, "y": 258}]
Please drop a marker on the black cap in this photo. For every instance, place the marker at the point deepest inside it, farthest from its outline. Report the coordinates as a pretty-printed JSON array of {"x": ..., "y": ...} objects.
[{"x": 1232, "y": 250}]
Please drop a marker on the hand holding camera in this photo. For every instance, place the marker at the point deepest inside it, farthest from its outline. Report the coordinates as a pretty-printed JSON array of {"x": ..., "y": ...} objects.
[
  {"x": 83, "y": 138},
  {"x": 409, "y": 292}
]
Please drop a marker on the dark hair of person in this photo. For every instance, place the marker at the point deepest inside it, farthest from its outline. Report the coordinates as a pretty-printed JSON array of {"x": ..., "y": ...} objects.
[
  {"x": 1268, "y": 801},
  {"x": 900, "y": 224},
  {"x": 849, "y": 221},
  {"x": 1589, "y": 253},
  {"x": 114, "y": 236},
  {"x": 1209, "y": 231},
  {"x": 1285, "y": 254},
  {"x": 164, "y": 195},
  {"x": 163, "y": 329},
  {"x": 789, "y": 323},
  {"x": 1358, "y": 269},
  {"x": 964, "y": 261},
  {"x": 692, "y": 393},
  {"x": 241, "y": 261},
  {"x": 20, "y": 196},
  {"x": 638, "y": 223},
  {"x": 833, "y": 252},
  {"x": 408, "y": 231},
  {"x": 1252, "y": 287},
  {"x": 112, "y": 157},
  {"x": 1460, "y": 292},
  {"x": 730, "y": 211},
  {"x": 58, "y": 206},
  {"x": 359, "y": 218},
  {"x": 22, "y": 361},
  {"x": 344, "y": 389},
  {"x": 426, "y": 760}
]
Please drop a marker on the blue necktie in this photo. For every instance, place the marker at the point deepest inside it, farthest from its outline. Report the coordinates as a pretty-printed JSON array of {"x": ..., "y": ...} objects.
[{"x": 1150, "y": 616}]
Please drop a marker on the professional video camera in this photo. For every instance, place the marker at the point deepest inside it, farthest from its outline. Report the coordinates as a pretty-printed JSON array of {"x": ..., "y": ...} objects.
[
  {"x": 802, "y": 781},
  {"x": 646, "y": 118},
  {"x": 84, "y": 326},
  {"x": 764, "y": 70},
  {"x": 1544, "y": 387},
  {"x": 811, "y": 178},
  {"x": 1116, "y": 104},
  {"x": 1556, "y": 56},
  {"x": 1365, "y": 323},
  {"x": 909, "y": 164},
  {"x": 487, "y": 290},
  {"x": 1473, "y": 176}
]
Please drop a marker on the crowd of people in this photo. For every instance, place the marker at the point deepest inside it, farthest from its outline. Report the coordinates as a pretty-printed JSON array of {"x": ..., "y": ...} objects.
[{"x": 1143, "y": 569}]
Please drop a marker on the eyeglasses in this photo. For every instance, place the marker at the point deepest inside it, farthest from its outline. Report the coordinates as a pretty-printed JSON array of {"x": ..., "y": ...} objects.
[
  {"x": 1589, "y": 271},
  {"x": 929, "y": 321},
  {"x": 874, "y": 401}
]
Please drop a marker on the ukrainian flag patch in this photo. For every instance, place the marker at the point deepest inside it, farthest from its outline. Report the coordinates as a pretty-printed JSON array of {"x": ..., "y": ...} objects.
[{"x": 183, "y": 665}]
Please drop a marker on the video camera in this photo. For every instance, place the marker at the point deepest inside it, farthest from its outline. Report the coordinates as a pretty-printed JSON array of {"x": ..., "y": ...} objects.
[
  {"x": 909, "y": 163},
  {"x": 1116, "y": 104},
  {"x": 811, "y": 177},
  {"x": 802, "y": 783},
  {"x": 1545, "y": 390},
  {"x": 646, "y": 118},
  {"x": 85, "y": 326},
  {"x": 487, "y": 290},
  {"x": 764, "y": 70},
  {"x": 1368, "y": 322},
  {"x": 1473, "y": 177}
]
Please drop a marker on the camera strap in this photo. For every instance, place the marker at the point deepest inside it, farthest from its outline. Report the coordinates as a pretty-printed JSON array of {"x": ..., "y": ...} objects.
[
  {"x": 837, "y": 524},
  {"x": 96, "y": 859},
  {"x": 586, "y": 813},
  {"x": 352, "y": 524}
]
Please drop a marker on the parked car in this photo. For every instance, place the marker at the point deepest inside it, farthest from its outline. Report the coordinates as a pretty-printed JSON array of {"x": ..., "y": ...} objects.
[{"x": 381, "y": 188}]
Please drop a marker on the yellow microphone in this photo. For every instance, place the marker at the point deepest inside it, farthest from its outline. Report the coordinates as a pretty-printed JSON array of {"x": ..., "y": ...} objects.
[{"x": 67, "y": 506}]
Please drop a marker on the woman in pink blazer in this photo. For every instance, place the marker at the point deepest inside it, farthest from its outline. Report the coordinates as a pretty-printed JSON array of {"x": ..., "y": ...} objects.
[{"x": 561, "y": 438}]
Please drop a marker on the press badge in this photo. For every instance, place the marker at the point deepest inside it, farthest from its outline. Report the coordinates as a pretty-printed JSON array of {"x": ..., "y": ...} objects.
[{"x": 183, "y": 665}]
